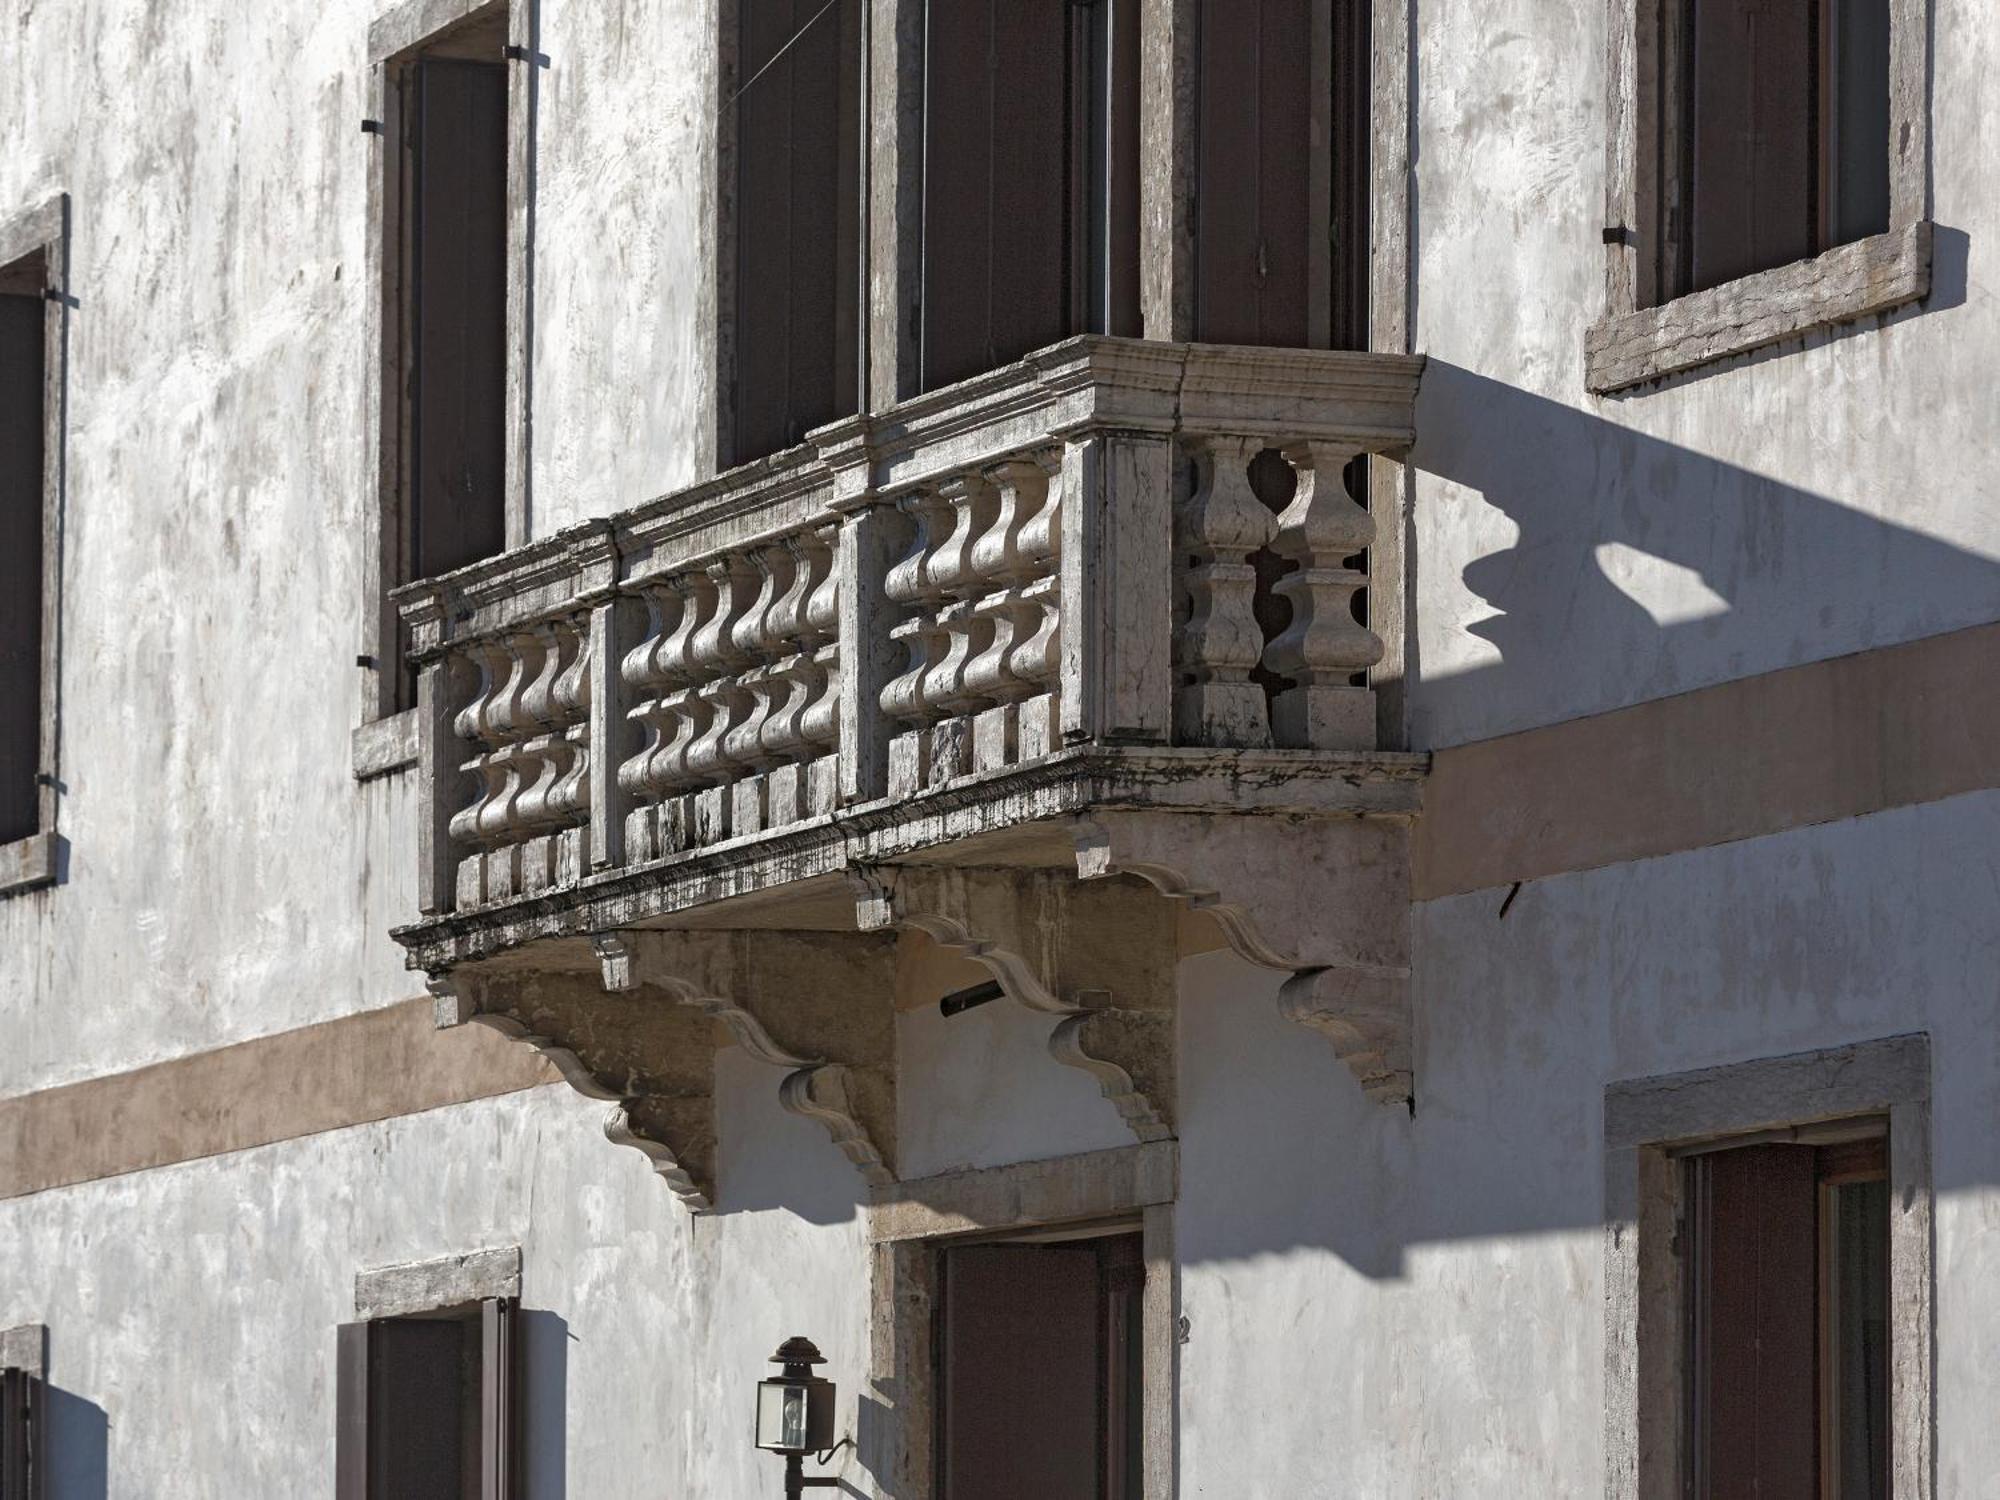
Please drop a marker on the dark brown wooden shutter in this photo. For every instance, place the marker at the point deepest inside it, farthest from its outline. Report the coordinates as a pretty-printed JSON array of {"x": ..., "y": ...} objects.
[
  {"x": 1253, "y": 230},
  {"x": 22, "y": 1475},
  {"x": 458, "y": 372},
  {"x": 1751, "y": 108},
  {"x": 996, "y": 183},
  {"x": 1019, "y": 1386},
  {"x": 499, "y": 1400},
  {"x": 22, "y": 418},
  {"x": 1855, "y": 103},
  {"x": 1756, "y": 1323},
  {"x": 798, "y": 208},
  {"x": 421, "y": 1391},
  {"x": 350, "y": 1422}
]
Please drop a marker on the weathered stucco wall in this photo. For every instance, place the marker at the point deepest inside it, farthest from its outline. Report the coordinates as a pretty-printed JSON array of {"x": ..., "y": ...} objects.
[
  {"x": 1440, "y": 1280},
  {"x": 1577, "y": 553},
  {"x": 1433, "y": 1286},
  {"x": 227, "y": 876}
]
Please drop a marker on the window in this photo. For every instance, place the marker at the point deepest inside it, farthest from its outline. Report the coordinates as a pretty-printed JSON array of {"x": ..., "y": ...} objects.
[
  {"x": 32, "y": 308},
  {"x": 1768, "y": 1278},
  {"x": 1788, "y": 1290},
  {"x": 1783, "y": 149},
  {"x": 1768, "y": 175},
  {"x": 445, "y": 346},
  {"x": 1039, "y": 1369},
  {"x": 797, "y": 346},
  {"x": 428, "y": 1405}
]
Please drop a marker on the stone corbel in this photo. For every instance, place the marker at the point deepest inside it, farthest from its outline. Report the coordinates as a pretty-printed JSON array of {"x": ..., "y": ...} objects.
[
  {"x": 1326, "y": 901},
  {"x": 1100, "y": 959},
  {"x": 656, "y": 1063},
  {"x": 818, "y": 1005}
]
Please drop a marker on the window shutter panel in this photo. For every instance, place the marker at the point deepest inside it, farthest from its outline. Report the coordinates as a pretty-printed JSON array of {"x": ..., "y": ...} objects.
[
  {"x": 996, "y": 170},
  {"x": 350, "y": 1421},
  {"x": 459, "y": 360},
  {"x": 499, "y": 1399},
  {"x": 421, "y": 1407},
  {"x": 1254, "y": 198},
  {"x": 798, "y": 210},
  {"x": 1752, "y": 71},
  {"x": 22, "y": 417},
  {"x": 1021, "y": 1373},
  {"x": 1758, "y": 1320}
]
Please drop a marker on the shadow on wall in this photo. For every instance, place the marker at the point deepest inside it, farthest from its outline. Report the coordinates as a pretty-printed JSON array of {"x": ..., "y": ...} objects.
[
  {"x": 1642, "y": 568},
  {"x": 77, "y": 1447},
  {"x": 545, "y": 1339}
]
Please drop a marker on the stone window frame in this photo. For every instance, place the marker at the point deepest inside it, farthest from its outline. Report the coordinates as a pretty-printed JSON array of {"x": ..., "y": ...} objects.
[
  {"x": 1646, "y": 1121},
  {"x": 386, "y": 740},
  {"x": 1639, "y": 339},
  {"x": 35, "y": 861},
  {"x": 439, "y": 1285},
  {"x": 909, "y": 1224}
]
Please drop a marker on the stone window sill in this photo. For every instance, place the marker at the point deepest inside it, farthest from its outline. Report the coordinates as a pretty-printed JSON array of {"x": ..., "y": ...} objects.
[
  {"x": 1847, "y": 282},
  {"x": 384, "y": 746},
  {"x": 28, "y": 864}
]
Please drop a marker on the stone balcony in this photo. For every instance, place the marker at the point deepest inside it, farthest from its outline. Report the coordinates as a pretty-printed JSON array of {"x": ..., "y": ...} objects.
[{"x": 1024, "y": 666}]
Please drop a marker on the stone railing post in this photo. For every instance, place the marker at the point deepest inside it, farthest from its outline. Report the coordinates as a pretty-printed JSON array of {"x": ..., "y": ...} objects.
[{"x": 1116, "y": 571}]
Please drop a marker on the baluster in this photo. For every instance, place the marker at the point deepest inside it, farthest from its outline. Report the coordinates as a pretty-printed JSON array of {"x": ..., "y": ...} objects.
[
  {"x": 757, "y": 644},
  {"x": 819, "y": 724},
  {"x": 542, "y": 756},
  {"x": 649, "y": 669},
  {"x": 973, "y": 504},
  {"x": 795, "y": 673},
  {"x": 569, "y": 801},
  {"x": 1036, "y": 658},
  {"x": 1218, "y": 527},
  {"x": 908, "y": 583},
  {"x": 717, "y": 658},
  {"x": 1006, "y": 616},
  {"x": 679, "y": 659},
  {"x": 1323, "y": 646}
]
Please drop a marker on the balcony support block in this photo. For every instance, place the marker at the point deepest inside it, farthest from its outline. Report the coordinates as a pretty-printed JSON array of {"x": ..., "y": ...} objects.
[
  {"x": 816, "y": 1005},
  {"x": 1324, "y": 900},
  {"x": 655, "y": 1063},
  {"x": 1099, "y": 959}
]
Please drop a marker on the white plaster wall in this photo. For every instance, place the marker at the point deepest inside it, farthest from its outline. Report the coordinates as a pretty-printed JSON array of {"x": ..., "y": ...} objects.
[
  {"x": 192, "y": 1309},
  {"x": 980, "y": 1089},
  {"x": 227, "y": 877},
  {"x": 1573, "y": 553},
  {"x": 1434, "y": 1286}
]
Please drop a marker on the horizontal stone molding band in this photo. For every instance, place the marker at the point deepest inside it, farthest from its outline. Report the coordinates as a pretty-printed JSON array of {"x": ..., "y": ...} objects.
[
  {"x": 378, "y": 1065},
  {"x": 1818, "y": 743}
]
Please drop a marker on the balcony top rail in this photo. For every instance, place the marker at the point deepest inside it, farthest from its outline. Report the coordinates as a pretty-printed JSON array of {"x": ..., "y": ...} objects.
[{"x": 1083, "y": 548}]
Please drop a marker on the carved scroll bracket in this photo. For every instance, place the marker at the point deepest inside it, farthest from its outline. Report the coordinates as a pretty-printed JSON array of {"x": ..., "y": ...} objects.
[
  {"x": 819, "y": 1005},
  {"x": 657, "y": 1063},
  {"x": 1100, "y": 959},
  {"x": 1325, "y": 900}
]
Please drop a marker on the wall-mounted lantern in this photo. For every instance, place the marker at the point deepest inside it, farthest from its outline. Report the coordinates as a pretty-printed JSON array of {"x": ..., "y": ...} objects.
[{"x": 795, "y": 1414}]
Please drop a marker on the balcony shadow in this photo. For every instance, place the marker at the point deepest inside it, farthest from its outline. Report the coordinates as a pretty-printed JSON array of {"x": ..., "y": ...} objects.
[
  {"x": 1605, "y": 515},
  {"x": 76, "y": 1447},
  {"x": 1520, "y": 1029}
]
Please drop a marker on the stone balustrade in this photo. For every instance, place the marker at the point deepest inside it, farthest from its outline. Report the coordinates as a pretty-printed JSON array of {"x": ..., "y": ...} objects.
[{"x": 1066, "y": 557}]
